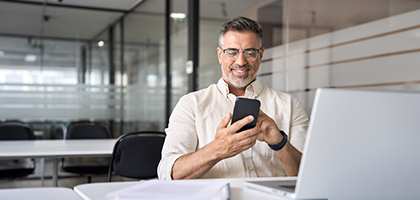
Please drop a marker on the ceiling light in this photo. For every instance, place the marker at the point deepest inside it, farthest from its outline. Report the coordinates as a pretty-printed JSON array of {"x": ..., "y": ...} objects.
[
  {"x": 178, "y": 16},
  {"x": 30, "y": 58},
  {"x": 101, "y": 43}
]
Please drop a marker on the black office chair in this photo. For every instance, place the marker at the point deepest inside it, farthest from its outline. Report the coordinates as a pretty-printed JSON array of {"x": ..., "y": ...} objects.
[
  {"x": 16, "y": 168},
  {"x": 88, "y": 166},
  {"x": 137, "y": 155}
]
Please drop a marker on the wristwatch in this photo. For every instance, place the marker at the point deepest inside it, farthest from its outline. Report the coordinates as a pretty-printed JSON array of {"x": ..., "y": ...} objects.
[{"x": 281, "y": 144}]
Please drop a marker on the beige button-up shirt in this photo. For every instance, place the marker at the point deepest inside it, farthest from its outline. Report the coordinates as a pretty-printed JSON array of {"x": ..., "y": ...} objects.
[{"x": 195, "y": 118}]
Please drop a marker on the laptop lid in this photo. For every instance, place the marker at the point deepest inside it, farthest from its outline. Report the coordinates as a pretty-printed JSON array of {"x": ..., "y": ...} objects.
[
  {"x": 310, "y": 182},
  {"x": 361, "y": 145}
]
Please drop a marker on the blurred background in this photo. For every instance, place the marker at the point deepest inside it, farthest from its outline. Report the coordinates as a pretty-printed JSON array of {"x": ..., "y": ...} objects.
[{"x": 123, "y": 62}]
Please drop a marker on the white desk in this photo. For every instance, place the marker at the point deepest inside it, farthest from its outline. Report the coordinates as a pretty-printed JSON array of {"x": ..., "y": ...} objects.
[
  {"x": 98, "y": 191},
  {"x": 56, "y": 149},
  {"x": 39, "y": 194}
]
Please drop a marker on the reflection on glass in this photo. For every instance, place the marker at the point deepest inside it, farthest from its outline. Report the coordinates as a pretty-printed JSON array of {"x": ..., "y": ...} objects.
[
  {"x": 144, "y": 67},
  {"x": 179, "y": 51}
]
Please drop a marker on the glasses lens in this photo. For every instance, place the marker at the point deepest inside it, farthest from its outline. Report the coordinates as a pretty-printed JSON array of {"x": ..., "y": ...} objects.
[
  {"x": 250, "y": 54},
  {"x": 231, "y": 54}
]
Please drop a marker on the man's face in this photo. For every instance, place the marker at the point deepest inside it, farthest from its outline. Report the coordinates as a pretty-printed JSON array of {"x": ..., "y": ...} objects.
[{"x": 241, "y": 72}]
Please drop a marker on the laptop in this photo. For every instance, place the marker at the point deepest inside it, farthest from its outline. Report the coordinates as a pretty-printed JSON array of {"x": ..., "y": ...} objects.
[{"x": 360, "y": 145}]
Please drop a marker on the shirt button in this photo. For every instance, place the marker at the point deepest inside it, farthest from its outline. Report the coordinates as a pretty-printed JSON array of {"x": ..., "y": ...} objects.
[{"x": 250, "y": 168}]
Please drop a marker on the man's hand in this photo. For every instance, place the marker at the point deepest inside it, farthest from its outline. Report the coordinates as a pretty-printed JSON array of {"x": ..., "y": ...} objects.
[
  {"x": 270, "y": 133},
  {"x": 268, "y": 130},
  {"x": 228, "y": 142}
]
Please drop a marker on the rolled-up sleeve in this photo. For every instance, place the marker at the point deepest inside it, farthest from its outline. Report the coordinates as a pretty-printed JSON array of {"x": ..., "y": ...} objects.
[{"x": 181, "y": 137}]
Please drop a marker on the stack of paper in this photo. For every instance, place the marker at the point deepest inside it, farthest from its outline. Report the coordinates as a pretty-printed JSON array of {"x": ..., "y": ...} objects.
[{"x": 177, "y": 190}]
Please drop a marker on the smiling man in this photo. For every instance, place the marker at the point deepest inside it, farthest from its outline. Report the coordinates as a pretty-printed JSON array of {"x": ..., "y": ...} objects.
[{"x": 200, "y": 143}]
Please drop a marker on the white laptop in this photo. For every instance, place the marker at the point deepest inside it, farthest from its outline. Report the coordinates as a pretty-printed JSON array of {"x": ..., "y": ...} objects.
[{"x": 360, "y": 145}]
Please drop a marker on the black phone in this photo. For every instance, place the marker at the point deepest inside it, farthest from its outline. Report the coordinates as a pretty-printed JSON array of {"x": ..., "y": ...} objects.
[{"x": 244, "y": 107}]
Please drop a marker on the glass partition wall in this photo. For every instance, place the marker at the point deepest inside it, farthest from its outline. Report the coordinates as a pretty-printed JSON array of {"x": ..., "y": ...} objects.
[
  {"x": 91, "y": 69},
  {"x": 372, "y": 44},
  {"x": 144, "y": 68},
  {"x": 62, "y": 64},
  {"x": 85, "y": 69}
]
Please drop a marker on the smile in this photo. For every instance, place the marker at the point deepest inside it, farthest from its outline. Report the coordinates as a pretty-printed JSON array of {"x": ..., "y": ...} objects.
[{"x": 240, "y": 72}]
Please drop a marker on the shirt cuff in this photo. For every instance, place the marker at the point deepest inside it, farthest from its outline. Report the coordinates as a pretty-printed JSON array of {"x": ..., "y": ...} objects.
[{"x": 166, "y": 165}]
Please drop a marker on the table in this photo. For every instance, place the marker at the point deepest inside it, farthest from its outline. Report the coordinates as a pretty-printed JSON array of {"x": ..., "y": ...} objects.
[
  {"x": 44, "y": 193},
  {"x": 98, "y": 191},
  {"x": 56, "y": 149}
]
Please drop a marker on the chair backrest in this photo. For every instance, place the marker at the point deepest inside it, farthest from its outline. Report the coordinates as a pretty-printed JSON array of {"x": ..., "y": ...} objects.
[
  {"x": 16, "y": 130},
  {"x": 137, "y": 155},
  {"x": 87, "y": 131}
]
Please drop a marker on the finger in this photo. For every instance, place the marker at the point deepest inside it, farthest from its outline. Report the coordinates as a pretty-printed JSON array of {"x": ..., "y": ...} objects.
[
  {"x": 247, "y": 142},
  {"x": 248, "y": 136},
  {"x": 242, "y": 122},
  {"x": 224, "y": 123}
]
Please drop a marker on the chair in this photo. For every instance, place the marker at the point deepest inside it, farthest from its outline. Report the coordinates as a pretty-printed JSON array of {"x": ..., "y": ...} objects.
[
  {"x": 86, "y": 165},
  {"x": 137, "y": 155},
  {"x": 16, "y": 168}
]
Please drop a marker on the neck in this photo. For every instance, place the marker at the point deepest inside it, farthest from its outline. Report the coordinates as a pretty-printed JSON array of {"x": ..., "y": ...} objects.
[{"x": 237, "y": 91}]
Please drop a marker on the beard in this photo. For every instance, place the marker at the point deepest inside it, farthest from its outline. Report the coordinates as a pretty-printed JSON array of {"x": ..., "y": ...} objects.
[{"x": 240, "y": 81}]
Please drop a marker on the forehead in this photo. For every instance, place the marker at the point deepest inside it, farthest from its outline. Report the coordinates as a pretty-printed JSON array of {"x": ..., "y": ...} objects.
[{"x": 240, "y": 40}]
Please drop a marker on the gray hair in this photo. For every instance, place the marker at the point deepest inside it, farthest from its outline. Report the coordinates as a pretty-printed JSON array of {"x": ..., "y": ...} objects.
[{"x": 241, "y": 24}]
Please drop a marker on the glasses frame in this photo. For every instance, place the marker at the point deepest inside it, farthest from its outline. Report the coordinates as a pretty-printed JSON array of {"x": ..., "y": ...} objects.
[{"x": 243, "y": 53}]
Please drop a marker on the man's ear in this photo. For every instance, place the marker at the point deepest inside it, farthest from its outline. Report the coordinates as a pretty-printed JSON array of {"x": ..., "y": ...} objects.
[
  {"x": 261, "y": 53},
  {"x": 219, "y": 54}
]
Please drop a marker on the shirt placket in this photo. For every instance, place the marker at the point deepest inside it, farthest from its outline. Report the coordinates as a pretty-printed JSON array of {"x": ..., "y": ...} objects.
[{"x": 249, "y": 164}]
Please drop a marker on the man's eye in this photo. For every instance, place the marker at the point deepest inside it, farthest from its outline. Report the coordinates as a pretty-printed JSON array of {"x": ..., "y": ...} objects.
[
  {"x": 251, "y": 53},
  {"x": 231, "y": 53}
]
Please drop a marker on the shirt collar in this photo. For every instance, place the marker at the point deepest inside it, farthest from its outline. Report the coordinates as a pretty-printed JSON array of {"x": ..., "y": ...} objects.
[{"x": 251, "y": 91}]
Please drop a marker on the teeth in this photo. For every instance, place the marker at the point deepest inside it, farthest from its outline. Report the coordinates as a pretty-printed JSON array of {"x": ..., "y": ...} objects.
[{"x": 240, "y": 71}]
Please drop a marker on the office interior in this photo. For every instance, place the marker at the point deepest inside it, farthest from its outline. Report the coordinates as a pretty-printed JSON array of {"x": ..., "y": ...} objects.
[{"x": 126, "y": 63}]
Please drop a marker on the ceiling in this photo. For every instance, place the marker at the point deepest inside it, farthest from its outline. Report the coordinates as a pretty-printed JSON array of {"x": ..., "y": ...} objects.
[
  {"x": 62, "y": 26},
  {"x": 82, "y": 20},
  {"x": 71, "y": 19}
]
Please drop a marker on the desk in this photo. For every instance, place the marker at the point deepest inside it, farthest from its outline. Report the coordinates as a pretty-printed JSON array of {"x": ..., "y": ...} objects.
[
  {"x": 98, "y": 191},
  {"x": 56, "y": 149},
  {"x": 39, "y": 194}
]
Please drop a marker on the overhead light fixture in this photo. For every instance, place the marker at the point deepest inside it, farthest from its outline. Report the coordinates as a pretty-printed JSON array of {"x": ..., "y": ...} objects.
[
  {"x": 101, "y": 43},
  {"x": 178, "y": 16},
  {"x": 30, "y": 58}
]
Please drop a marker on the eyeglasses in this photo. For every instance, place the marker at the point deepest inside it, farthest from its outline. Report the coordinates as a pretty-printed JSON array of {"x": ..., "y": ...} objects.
[{"x": 250, "y": 54}]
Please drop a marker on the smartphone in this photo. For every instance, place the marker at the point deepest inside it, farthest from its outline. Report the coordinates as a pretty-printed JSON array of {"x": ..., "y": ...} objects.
[{"x": 244, "y": 107}]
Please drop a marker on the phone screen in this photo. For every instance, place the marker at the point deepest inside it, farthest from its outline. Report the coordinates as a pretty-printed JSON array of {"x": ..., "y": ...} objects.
[{"x": 244, "y": 107}]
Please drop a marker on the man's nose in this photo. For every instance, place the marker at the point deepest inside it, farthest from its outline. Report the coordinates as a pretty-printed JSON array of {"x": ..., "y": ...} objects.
[{"x": 241, "y": 59}]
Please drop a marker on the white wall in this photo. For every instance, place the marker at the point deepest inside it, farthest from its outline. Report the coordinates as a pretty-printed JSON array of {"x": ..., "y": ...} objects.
[{"x": 382, "y": 54}]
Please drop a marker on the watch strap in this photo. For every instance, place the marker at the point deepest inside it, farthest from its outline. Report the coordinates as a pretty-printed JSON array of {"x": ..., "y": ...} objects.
[{"x": 281, "y": 144}]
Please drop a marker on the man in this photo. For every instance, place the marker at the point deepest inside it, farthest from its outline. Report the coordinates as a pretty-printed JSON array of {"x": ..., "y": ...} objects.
[{"x": 201, "y": 144}]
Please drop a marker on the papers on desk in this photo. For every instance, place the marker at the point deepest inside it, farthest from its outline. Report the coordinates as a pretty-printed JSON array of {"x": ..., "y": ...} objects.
[{"x": 180, "y": 189}]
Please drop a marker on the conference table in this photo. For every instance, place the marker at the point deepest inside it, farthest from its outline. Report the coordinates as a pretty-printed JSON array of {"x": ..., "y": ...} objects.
[
  {"x": 56, "y": 149},
  {"x": 99, "y": 191}
]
